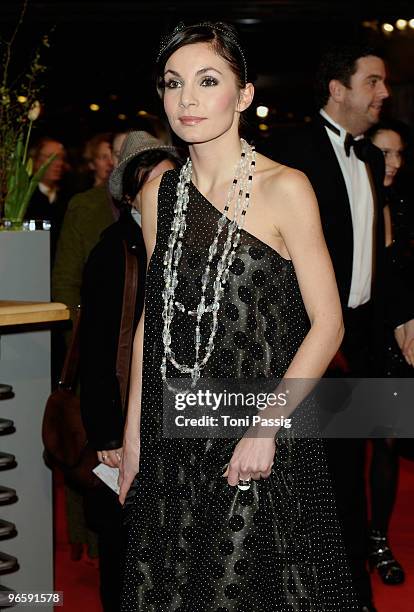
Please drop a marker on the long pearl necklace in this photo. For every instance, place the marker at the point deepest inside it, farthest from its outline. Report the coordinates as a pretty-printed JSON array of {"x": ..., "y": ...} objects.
[{"x": 243, "y": 179}]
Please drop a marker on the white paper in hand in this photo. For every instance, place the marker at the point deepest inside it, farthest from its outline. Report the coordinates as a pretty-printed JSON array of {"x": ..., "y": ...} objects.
[{"x": 108, "y": 475}]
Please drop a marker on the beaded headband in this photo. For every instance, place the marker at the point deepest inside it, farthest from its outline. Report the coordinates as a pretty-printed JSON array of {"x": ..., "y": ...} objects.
[{"x": 165, "y": 41}]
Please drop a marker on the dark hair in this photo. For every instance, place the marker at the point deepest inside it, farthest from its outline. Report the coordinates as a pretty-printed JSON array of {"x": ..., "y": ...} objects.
[
  {"x": 36, "y": 149},
  {"x": 394, "y": 125},
  {"x": 138, "y": 170},
  {"x": 92, "y": 145},
  {"x": 223, "y": 38},
  {"x": 340, "y": 63}
]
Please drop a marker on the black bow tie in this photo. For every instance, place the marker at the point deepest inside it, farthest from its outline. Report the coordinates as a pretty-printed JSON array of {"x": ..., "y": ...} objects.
[
  {"x": 361, "y": 146},
  {"x": 351, "y": 142}
]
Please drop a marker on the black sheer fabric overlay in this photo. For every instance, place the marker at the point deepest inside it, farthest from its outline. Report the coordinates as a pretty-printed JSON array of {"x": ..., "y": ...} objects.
[{"x": 195, "y": 544}]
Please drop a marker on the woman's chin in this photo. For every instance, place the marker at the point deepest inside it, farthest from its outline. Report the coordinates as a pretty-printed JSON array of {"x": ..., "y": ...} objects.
[{"x": 193, "y": 135}]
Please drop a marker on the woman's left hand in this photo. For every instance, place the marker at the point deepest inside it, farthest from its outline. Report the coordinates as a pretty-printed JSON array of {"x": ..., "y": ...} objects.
[{"x": 252, "y": 458}]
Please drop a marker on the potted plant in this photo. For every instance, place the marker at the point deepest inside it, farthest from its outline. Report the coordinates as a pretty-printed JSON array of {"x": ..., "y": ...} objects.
[{"x": 19, "y": 108}]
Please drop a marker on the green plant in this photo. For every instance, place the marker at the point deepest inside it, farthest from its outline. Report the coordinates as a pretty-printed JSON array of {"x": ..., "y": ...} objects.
[
  {"x": 21, "y": 180},
  {"x": 19, "y": 108}
]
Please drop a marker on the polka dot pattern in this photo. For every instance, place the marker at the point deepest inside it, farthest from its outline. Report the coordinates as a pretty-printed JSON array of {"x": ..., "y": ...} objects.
[{"x": 195, "y": 544}]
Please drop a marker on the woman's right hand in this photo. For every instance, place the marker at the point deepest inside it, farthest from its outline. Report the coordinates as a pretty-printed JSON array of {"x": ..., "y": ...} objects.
[{"x": 128, "y": 468}]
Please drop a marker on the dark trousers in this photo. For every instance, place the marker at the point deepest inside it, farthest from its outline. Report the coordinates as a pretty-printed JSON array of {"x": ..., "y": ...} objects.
[
  {"x": 104, "y": 516},
  {"x": 346, "y": 462},
  {"x": 383, "y": 481},
  {"x": 346, "y": 456}
]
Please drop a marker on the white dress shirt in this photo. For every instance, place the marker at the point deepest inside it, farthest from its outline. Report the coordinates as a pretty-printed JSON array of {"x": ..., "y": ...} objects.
[
  {"x": 48, "y": 192},
  {"x": 361, "y": 203}
]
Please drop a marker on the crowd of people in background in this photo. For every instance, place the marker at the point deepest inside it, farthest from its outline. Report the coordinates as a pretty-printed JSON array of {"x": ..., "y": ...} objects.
[
  {"x": 94, "y": 205},
  {"x": 75, "y": 197}
]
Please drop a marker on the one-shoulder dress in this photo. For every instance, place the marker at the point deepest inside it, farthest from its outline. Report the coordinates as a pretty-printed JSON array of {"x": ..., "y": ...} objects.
[{"x": 196, "y": 544}]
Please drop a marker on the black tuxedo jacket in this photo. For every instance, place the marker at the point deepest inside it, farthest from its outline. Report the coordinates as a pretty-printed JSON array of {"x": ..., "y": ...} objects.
[
  {"x": 310, "y": 150},
  {"x": 40, "y": 208}
]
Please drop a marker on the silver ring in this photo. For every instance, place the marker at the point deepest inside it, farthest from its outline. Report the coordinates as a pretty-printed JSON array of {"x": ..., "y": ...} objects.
[
  {"x": 244, "y": 485},
  {"x": 104, "y": 457}
]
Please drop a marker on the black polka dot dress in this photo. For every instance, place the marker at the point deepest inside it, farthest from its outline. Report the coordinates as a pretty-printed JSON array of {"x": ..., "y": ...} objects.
[{"x": 195, "y": 544}]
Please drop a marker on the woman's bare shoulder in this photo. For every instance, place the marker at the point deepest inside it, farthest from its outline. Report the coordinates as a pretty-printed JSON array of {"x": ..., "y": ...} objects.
[{"x": 276, "y": 178}]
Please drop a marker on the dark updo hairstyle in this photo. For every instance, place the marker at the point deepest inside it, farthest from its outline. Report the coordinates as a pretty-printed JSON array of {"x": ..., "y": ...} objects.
[
  {"x": 138, "y": 170},
  {"x": 393, "y": 125},
  {"x": 339, "y": 63},
  {"x": 223, "y": 39}
]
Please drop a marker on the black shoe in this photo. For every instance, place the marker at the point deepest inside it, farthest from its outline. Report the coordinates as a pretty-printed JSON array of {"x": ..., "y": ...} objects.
[{"x": 381, "y": 557}]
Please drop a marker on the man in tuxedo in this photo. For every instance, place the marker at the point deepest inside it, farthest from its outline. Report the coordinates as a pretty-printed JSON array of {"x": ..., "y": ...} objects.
[
  {"x": 346, "y": 172},
  {"x": 49, "y": 200}
]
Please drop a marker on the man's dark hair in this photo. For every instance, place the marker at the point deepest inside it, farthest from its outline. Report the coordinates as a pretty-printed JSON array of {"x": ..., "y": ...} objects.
[
  {"x": 340, "y": 63},
  {"x": 36, "y": 149}
]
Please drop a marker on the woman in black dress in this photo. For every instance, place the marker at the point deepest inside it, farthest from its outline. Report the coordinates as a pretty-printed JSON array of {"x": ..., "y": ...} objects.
[
  {"x": 389, "y": 136},
  {"x": 224, "y": 524}
]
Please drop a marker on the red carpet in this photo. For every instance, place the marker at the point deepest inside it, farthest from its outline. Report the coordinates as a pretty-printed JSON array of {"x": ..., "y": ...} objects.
[
  {"x": 79, "y": 579},
  {"x": 400, "y": 598}
]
